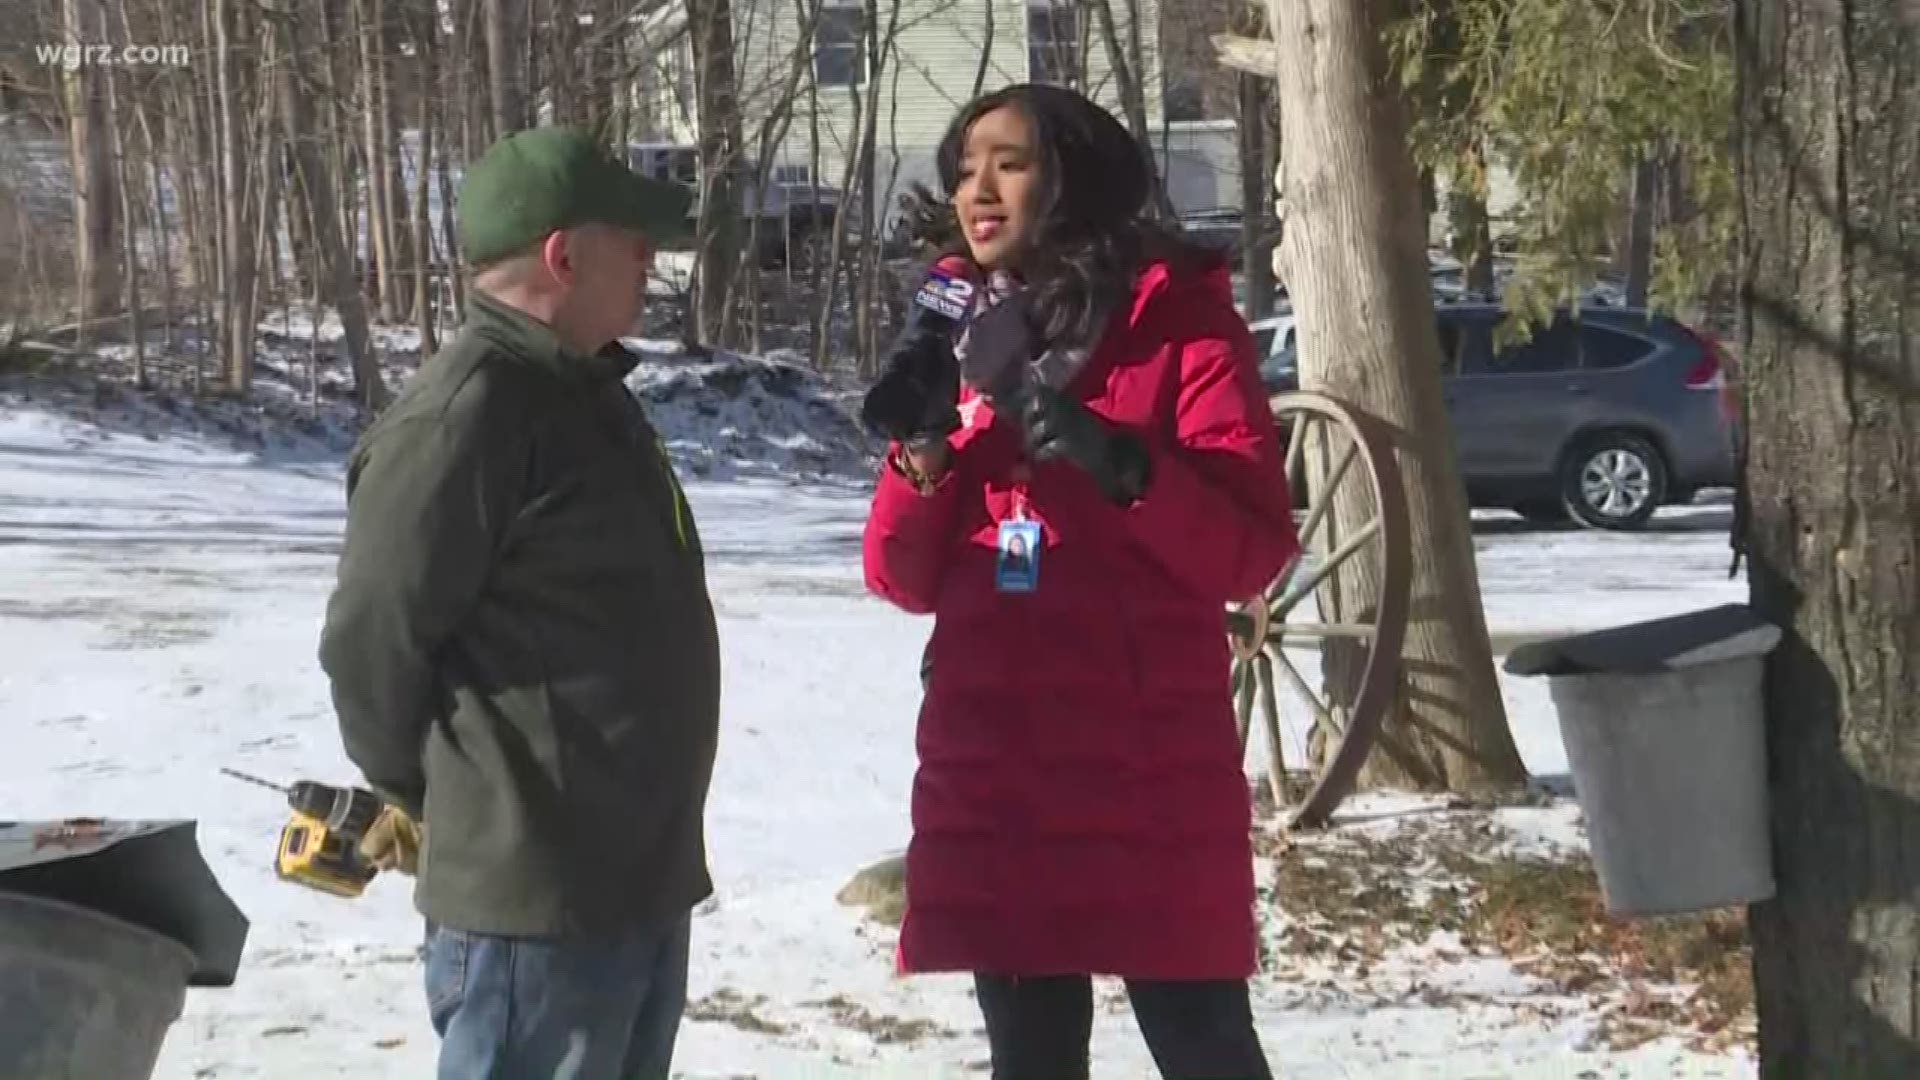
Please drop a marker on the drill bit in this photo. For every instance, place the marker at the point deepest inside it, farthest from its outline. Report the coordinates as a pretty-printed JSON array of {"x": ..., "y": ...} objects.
[{"x": 268, "y": 784}]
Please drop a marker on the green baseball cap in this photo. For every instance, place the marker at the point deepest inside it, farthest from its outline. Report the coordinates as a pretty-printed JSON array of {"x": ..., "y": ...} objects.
[{"x": 535, "y": 182}]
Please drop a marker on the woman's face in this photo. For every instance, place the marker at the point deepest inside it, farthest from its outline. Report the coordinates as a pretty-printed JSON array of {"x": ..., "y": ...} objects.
[{"x": 999, "y": 181}]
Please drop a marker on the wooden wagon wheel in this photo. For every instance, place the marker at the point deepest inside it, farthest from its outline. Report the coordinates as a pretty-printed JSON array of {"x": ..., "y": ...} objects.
[{"x": 1274, "y": 634}]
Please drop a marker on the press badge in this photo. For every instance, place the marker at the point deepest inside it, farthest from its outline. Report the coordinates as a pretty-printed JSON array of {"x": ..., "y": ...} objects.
[{"x": 1018, "y": 567}]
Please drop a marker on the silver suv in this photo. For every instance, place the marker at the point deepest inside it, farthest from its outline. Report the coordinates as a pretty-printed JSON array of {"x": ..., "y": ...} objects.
[{"x": 1606, "y": 419}]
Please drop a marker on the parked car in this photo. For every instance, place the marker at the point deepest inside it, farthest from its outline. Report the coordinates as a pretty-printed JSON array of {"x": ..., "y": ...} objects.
[
  {"x": 1605, "y": 418},
  {"x": 1220, "y": 230}
]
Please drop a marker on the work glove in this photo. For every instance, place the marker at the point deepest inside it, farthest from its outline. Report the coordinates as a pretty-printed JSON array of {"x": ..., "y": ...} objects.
[
  {"x": 1002, "y": 343},
  {"x": 392, "y": 842},
  {"x": 916, "y": 399},
  {"x": 1058, "y": 428}
]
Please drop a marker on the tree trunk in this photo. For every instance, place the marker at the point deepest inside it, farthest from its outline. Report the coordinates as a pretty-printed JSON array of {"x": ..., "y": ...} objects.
[
  {"x": 717, "y": 108},
  {"x": 336, "y": 266},
  {"x": 507, "y": 30},
  {"x": 423, "y": 28},
  {"x": 161, "y": 234},
  {"x": 1646, "y": 200},
  {"x": 95, "y": 202},
  {"x": 865, "y": 108},
  {"x": 1829, "y": 167},
  {"x": 1256, "y": 191},
  {"x": 1354, "y": 259},
  {"x": 129, "y": 250},
  {"x": 1129, "y": 74},
  {"x": 378, "y": 195},
  {"x": 237, "y": 260},
  {"x": 1469, "y": 224},
  {"x": 396, "y": 212}
]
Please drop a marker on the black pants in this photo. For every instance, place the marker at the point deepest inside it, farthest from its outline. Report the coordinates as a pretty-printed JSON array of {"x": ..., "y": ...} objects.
[{"x": 1039, "y": 1028}]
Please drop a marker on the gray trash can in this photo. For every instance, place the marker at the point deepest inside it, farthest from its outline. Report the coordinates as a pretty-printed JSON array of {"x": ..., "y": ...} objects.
[
  {"x": 84, "y": 996},
  {"x": 104, "y": 926},
  {"x": 1665, "y": 734}
]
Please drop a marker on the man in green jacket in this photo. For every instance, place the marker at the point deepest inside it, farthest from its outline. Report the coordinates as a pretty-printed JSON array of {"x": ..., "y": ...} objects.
[{"x": 522, "y": 651}]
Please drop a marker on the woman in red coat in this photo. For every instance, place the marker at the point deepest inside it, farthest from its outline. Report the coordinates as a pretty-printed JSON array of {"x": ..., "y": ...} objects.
[{"x": 1079, "y": 481}]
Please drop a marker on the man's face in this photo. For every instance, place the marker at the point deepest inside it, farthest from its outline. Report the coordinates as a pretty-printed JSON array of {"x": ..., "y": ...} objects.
[{"x": 607, "y": 289}]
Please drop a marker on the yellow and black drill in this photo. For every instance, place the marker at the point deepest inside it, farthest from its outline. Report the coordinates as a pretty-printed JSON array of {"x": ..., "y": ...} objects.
[{"x": 320, "y": 843}]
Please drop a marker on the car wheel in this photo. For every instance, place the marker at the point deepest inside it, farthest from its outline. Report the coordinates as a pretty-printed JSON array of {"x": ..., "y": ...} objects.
[{"x": 1614, "y": 481}]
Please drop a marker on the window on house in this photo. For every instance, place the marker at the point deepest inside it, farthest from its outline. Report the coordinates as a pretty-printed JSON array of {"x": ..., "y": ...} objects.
[
  {"x": 839, "y": 46},
  {"x": 1053, "y": 43},
  {"x": 792, "y": 174}
]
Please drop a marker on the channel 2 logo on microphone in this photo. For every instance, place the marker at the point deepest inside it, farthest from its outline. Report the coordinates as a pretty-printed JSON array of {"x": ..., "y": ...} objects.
[{"x": 946, "y": 294}]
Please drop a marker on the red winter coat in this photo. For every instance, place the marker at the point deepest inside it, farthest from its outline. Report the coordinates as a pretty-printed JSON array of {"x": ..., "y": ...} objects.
[{"x": 1080, "y": 805}]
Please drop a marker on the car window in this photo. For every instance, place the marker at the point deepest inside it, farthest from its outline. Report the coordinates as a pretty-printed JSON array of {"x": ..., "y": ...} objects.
[
  {"x": 1263, "y": 342},
  {"x": 1551, "y": 349},
  {"x": 1604, "y": 349},
  {"x": 1464, "y": 343}
]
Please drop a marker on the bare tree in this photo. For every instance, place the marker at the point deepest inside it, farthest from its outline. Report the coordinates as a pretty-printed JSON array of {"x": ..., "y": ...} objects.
[
  {"x": 1127, "y": 60},
  {"x": 313, "y": 174},
  {"x": 129, "y": 250},
  {"x": 425, "y": 29},
  {"x": 507, "y": 42},
  {"x": 718, "y": 110},
  {"x": 95, "y": 201}
]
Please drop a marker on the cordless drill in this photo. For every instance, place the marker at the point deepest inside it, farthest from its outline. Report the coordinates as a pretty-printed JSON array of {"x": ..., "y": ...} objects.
[{"x": 320, "y": 843}]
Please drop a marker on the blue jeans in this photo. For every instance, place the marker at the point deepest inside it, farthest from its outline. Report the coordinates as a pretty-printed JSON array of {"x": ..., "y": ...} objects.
[{"x": 601, "y": 1007}]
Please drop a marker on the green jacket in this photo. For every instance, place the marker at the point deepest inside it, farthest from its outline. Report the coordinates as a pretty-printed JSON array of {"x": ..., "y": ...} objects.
[{"x": 522, "y": 650}]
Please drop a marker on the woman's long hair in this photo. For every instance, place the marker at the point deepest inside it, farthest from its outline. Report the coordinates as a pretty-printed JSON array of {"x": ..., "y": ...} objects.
[{"x": 1092, "y": 232}]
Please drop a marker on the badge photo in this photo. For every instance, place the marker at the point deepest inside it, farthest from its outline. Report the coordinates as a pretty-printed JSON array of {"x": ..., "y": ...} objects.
[{"x": 1017, "y": 569}]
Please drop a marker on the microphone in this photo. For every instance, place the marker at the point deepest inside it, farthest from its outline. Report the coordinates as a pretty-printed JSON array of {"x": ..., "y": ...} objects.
[
  {"x": 944, "y": 299},
  {"x": 919, "y": 380}
]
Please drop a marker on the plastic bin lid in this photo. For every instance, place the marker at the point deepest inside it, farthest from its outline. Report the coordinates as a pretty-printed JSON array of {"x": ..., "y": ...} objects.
[
  {"x": 1728, "y": 632},
  {"x": 148, "y": 873}
]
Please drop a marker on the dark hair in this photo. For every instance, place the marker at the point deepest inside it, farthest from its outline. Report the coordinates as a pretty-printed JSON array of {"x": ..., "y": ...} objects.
[{"x": 1093, "y": 229}]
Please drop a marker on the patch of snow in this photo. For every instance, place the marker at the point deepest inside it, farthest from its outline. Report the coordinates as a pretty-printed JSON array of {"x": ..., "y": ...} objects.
[
  {"x": 162, "y": 584},
  {"x": 732, "y": 415}
]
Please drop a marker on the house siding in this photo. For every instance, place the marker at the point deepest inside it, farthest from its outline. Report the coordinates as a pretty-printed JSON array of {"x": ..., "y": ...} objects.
[{"x": 928, "y": 79}]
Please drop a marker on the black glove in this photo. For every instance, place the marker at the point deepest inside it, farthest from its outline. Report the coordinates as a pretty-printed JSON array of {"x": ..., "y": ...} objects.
[
  {"x": 1061, "y": 429},
  {"x": 1001, "y": 345},
  {"x": 917, "y": 395}
]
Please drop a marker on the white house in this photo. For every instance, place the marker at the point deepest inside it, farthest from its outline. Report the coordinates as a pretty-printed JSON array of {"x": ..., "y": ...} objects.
[{"x": 941, "y": 48}]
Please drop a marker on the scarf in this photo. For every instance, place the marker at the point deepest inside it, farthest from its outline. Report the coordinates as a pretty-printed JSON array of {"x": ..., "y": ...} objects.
[{"x": 1053, "y": 367}]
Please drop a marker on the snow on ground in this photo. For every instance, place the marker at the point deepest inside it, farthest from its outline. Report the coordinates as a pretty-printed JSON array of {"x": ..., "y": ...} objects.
[{"x": 160, "y": 599}]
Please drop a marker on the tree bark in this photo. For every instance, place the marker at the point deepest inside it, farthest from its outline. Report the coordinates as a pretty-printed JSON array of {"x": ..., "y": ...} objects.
[
  {"x": 507, "y": 30},
  {"x": 1470, "y": 225},
  {"x": 237, "y": 260},
  {"x": 95, "y": 202},
  {"x": 161, "y": 234},
  {"x": 129, "y": 250},
  {"x": 1354, "y": 258},
  {"x": 336, "y": 266},
  {"x": 1829, "y": 174},
  {"x": 426, "y": 31},
  {"x": 373, "y": 158},
  {"x": 387, "y": 27},
  {"x": 1646, "y": 199},
  {"x": 1256, "y": 191},
  {"x": 717, "y": 110}
]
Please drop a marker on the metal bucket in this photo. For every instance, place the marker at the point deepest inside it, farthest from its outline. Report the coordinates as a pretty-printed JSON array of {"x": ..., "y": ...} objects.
[
  {"x": 83, "y": 996},
  {"x": 1671, "y": 772}
]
